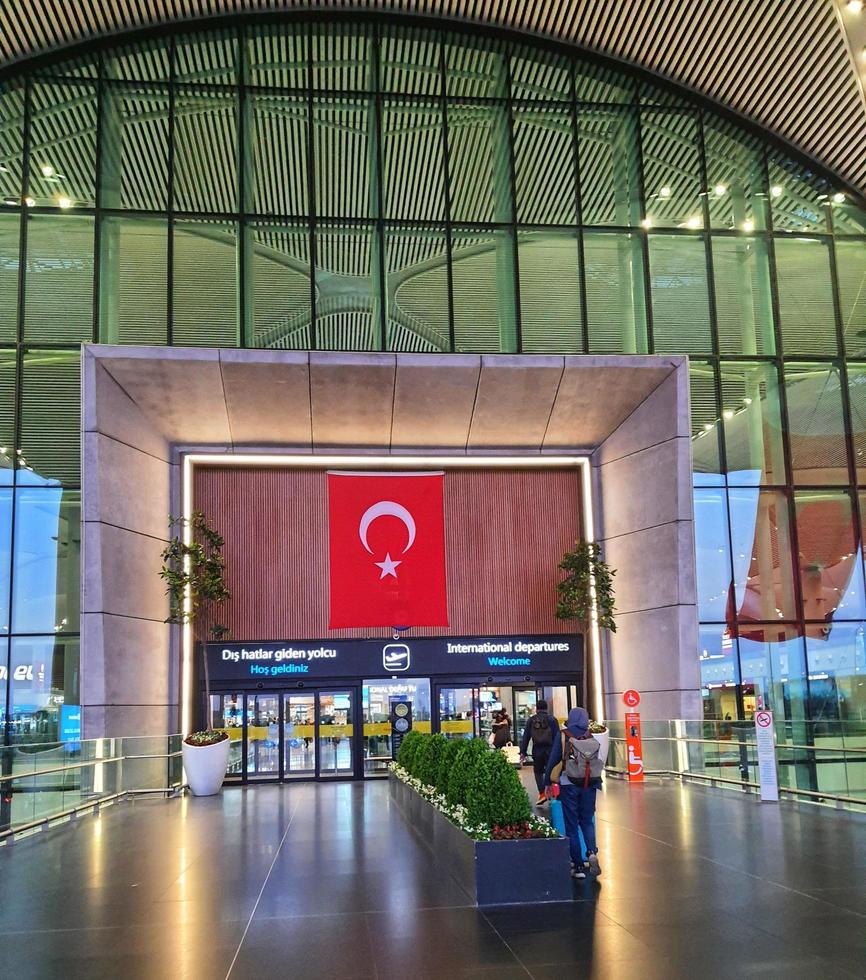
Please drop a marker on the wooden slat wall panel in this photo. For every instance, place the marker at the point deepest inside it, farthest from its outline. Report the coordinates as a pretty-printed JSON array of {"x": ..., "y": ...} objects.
[
  {"x": 506, "y": 531},
  {"x": 784, "y": 64}
]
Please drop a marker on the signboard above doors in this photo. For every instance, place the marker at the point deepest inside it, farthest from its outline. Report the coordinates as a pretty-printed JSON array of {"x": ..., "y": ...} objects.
[{"x": 296, "y": 660}]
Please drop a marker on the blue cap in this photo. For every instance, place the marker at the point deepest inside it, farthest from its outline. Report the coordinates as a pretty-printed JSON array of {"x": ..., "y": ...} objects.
[{"x": 578, "y": 722}]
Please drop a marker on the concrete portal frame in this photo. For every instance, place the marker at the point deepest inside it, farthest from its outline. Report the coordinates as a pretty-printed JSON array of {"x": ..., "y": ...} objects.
[{"x": 150, "y": 414}]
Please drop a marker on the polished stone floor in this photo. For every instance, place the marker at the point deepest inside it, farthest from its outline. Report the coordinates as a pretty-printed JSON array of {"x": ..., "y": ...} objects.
[{"x": 326, "y": 881}]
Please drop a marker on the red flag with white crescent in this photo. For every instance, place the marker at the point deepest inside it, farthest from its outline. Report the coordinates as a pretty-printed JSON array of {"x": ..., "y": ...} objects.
[{"x": 386, "y": 538}]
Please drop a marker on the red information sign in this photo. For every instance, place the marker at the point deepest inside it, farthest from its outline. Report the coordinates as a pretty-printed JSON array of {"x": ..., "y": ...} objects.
[
  {"x": 634, "y": 750},
  {"x": 631, "y": 699}
]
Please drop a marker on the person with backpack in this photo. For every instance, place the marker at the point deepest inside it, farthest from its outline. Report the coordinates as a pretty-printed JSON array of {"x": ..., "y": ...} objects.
[
  {"x": 575, "y": 768},
  {"x": 542, "y": 729}
]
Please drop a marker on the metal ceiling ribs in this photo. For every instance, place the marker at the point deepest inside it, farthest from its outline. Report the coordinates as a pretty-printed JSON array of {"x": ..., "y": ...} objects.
[{"x": 785, "y": 65}]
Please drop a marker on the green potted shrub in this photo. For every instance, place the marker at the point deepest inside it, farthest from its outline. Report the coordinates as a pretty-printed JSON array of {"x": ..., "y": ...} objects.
[
  {"x": 584, "y": 567},
  {"x": 446, "y": 764},
  {"x": 428, "y": 773},
  {"x": 408, "y": 747},
  {"x": 460, "y": 776},
  {"x": 466, "y": 804},
  {"x": 194, "y": 573},
  {"x": 496, "y": 796}
]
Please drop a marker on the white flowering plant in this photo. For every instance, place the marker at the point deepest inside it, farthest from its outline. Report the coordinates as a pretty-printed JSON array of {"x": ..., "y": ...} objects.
[{"x": 524, "y": 830}]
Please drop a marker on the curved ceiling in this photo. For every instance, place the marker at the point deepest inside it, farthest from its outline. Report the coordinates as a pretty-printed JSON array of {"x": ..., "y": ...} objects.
[{"x": 787, "y": 66}]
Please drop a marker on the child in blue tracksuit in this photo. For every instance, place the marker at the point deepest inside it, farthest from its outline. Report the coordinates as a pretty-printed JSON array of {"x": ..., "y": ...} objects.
[{"x": 578, "y": 802}]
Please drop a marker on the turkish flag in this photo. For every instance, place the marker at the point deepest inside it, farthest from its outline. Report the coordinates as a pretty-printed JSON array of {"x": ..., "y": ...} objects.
[{"x": 387, "y": 549}]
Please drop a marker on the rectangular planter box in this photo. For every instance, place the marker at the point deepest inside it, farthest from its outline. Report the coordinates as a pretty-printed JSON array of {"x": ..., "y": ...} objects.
[{"x": 511, "y": 872}]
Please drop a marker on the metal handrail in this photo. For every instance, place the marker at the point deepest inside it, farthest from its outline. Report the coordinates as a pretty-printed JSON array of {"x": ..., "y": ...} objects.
[
  {"x": 88, "y": 762},
  {"x": 92, "y": 799},
  {"x": 823, "y": 796},
  {"x": 716, "y": 741},
  {"x": 60, "y": 815},
  {"x": 820, "y": 748},
  {"x": 747, "y": 782},
  {"x": 790, "y": 791},
  {"x": 72, "y": 765},
  {"x": 93, "y": 804}
]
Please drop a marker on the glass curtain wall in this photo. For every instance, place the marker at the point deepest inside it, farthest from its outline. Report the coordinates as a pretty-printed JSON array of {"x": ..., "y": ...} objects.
[{"x": 378, "y": 187}]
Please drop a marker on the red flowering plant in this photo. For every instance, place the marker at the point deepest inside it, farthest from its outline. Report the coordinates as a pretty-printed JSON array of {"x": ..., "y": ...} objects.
[{"x": 522, "y": 830}]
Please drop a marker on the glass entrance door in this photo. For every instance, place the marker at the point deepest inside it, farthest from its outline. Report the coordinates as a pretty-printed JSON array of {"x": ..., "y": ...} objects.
[
  {"x": 559, "y": 700},
  {"x": 289, "y": 734},
  {"x": 492, "y": 702},
  {"x": 227, "y": 715},
  {"x": 470, "y": 711},
  {"x": 263, "y": 736},
  {"x": 458, "y": 712},
  {"x": 524, "y": 708},
  {"x": 299, "y": 736},
  {"x": 336, "y": 710}
]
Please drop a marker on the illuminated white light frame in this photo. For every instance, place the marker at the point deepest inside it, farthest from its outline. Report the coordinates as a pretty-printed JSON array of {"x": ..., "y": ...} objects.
[{"x": 392, "y": 462}]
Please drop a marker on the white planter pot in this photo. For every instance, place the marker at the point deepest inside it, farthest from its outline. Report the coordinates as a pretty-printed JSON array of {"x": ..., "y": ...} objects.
[
  {"x": 603, "y": 739},
  {"x": 205, "y": 766}
]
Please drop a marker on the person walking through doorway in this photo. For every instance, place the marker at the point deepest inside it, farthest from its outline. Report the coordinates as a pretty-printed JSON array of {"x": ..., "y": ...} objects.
[
  {"x": 542, "y": 729},
  {"x": 500, "y": 734},
  {"x": 575, "y": 765}
]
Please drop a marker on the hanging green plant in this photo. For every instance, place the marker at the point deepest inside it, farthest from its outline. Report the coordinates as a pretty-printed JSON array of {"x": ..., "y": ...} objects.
[
  {"x": 194, "y": 574},
  {"x": 581, "y": 565}
]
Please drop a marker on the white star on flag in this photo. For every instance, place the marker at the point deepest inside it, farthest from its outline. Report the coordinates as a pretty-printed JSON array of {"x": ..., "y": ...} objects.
[{"x": 388, "y": 566}]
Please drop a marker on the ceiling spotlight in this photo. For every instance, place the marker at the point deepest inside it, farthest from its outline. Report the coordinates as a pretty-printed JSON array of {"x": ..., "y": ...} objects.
[
  {"x": 838, "y": 198},
  {"x": 748, "y": 225},
  {"x": 707, "y": 426},
  {"x": 747, "y": 401},
  {"x": 646, "y": 223},
  {"x": 728, "y": 413},
  {"x": 693, "y": 222},
  {"x": 775, "y": 191},
  {"x": 720, "y": 190},
  {"x": 665, "y": 192},
  {"x": 64, "y": 203},
  {"x": 29, "y": 202},
  {"x": 855, "y": 6},
  {"x": 47, "y": 170}
]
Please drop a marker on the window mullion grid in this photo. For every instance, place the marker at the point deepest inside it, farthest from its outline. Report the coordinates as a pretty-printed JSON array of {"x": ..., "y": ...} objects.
[
  {"x": 723, "y": 460},
  {"x": 311, "y": 187},
  {"x": 707, "y": 237},
  {"x": 507, "y": 111},
  {"x": 97, "y": 228},
  {"x": 843, "y": 374},
  {"x": 169, "y": 191},
  {"x": 19, "y": 384},
  {"x": 244, "y": 259},
  {"x": 578, "y": 211},
  {"x": 643, "y": 238},
  {"x": 794, "y": 538},
  {"x": 379, "y": 210},
  {"x": 857, "y": 524},
  {"x": 446, "y": 184}
]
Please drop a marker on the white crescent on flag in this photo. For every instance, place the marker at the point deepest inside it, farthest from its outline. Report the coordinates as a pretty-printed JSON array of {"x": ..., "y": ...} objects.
[{"x": 386, "y": 508}]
